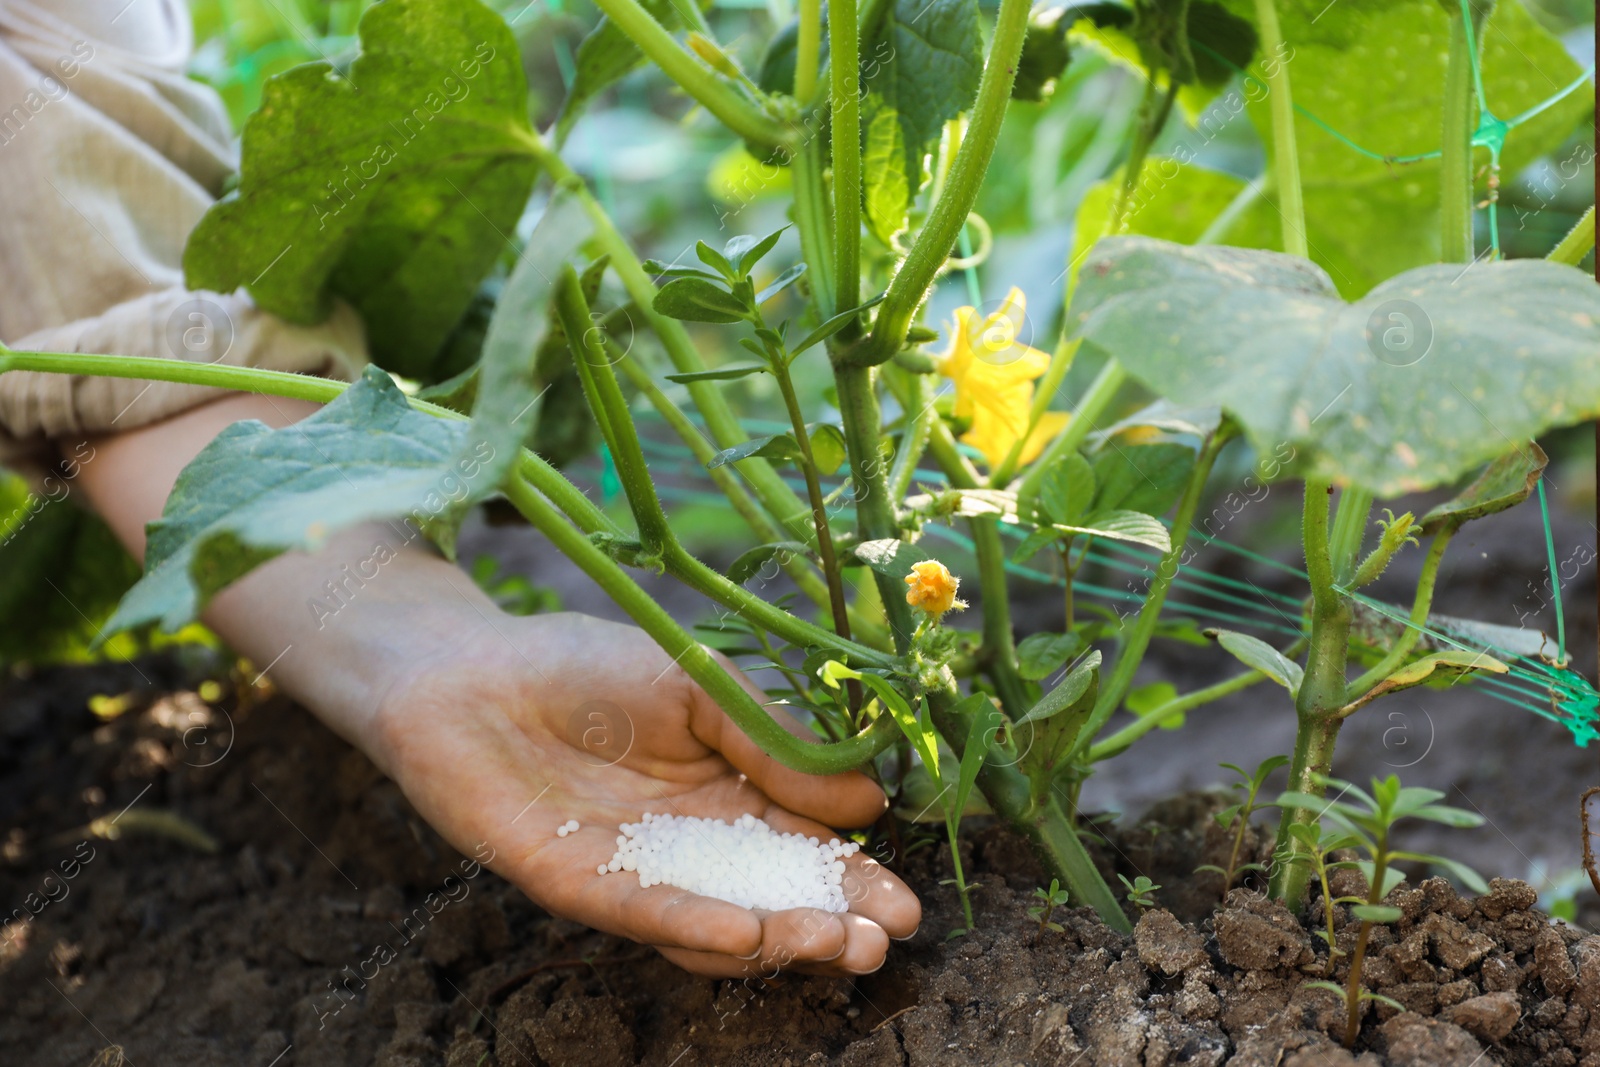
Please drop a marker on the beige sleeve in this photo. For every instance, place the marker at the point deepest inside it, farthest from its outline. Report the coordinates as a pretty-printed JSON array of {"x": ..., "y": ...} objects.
[{"x": 109, "y": 155}]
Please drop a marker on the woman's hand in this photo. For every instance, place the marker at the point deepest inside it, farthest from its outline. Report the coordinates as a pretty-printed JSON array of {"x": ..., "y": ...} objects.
[
  {"x": 525, "y": 723},
  {"x": 500, "y": 729}
]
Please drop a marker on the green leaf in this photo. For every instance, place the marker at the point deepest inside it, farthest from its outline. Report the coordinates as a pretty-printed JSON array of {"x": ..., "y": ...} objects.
[
  {"x": 1132, "y": 526},
  {"x": 725, "y": 373},
  {"x": 827, "y": 448},
  {"x": 506, "y": 412},
  {"x": 744, "y": 251},
  {"x": 1151, "y": 698},
  {"x": 1254, "y": 652},
  {"x": 1068, "y": 490},
  {"x": 254, "y": 493},
  {"x": 604, "y": 57},
  {"x": 780, "y": 283},
  {"x": 886, "y": 189},
  {"x": 750, "y": 562},
  {"x": 1035, "y": 540},
  {"x": 1505, "y": 483},
  {"x": 986, "y": 720},
  {"x": 833, "y": 325},
  {"x": 1368, "y": 219},
  {"x": 1146, "y": 478},
  {"x": 889, "y": 556},
  {"x": 1069, "y": 694},
  {"x": 777, "y": 448},
  {"x": 698, "y": 300},
  {"x": 920, "y": 63},
  {"x": 1376, "y": 913},
  {"x": 1454, "y": 661},
  {"x": 1266, "y": 337},
  {"x": 396, "y": 197},
  {"x": 714, "y": 259},
  {"x": 1041, "y": 655}
]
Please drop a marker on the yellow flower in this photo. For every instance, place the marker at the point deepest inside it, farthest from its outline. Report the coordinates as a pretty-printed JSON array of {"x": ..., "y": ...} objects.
[
  {"x": 994, "y": 375},
  {"x": 933, "y": 587}
]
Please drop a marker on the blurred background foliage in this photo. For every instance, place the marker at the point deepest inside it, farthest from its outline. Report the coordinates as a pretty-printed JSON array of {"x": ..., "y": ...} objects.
[{"x": 670, "y": 176}]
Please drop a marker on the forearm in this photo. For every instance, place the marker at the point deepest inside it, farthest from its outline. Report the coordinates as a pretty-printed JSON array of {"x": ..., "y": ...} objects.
[{"x": 337, "y": 626}]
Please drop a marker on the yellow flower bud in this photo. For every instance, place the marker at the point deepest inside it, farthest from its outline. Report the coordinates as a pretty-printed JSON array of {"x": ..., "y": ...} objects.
[{"x": 933, "y": 587}]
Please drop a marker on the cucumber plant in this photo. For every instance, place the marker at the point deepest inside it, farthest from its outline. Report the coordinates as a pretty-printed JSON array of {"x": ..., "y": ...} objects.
[{"x": 886, "y": 117}]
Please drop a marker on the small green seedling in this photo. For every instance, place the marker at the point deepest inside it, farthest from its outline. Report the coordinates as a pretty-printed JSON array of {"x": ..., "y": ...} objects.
[
  {"x": 1366, "y": 823},
  {"x": 1240, "y": 814},
  {"x": 1141, "y": 891},
  {"x": 1316, "y": 849},
  {"x": 1049, "y": 900}
]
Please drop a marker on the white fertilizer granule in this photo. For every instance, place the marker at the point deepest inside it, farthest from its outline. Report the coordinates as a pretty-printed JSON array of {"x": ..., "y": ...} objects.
[
  {"x": 744, "y": 863},
  {"x": 568, "y": 827}
]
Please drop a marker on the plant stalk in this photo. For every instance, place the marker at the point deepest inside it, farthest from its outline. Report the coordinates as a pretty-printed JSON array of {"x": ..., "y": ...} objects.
[
  {"x": 1285, "y": 154},
  {"x": 819, "y": 510},
  {"x": 1114, "y": 689},
  {"x": 808, "y": 51},
  {"x": 1577, "y": 243},
  {"x": 1101, "y": 392},
  {"x": 1118, "y": 742},
  {"x": 789, "y": 750},
  {"x": 844, "y": 49},
  {"x": 1349, "y": 533},
  {"x": 1322, "y": 694},
  {"x": 811, "y": 221},
  {"x": 950, "y": 211},
  {"x": 606, "y": 400},
  {"x": 1421, "y": 604},
  {"x": 1455, "y": 160},
  {"x": 694, "y": 77},
  {"x": 769, "y": 487}
]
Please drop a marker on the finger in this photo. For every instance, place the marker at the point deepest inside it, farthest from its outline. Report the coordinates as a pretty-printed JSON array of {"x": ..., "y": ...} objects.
[
  {"x": 864, "y": 950},
  {"x": 848, "y": 799},
  {"x": 869, "y": 887}
]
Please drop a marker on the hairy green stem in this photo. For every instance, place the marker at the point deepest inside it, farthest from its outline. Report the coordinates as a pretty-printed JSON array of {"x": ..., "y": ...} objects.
[
  {"x": 694, "y": 77},
  {"x": 807, "y": 51},
  {"x": 1455, "y": 160},
  {"x": 1349, "y": 533},
  {"x": 1099, "y": 396},
  {"x": 875, "y": 509},
  {"x": 1045, "y": 826},
  {"x": 1153, "y": 113},
  {"x": 950, "y": 211},
  {"x": 606, "y": 400},
  {"x": 1114, "y": 689},
  {"x": 1322, "y": 693},
  {"x": 916, "y": 402},
  {"x": 844, "y": 47},
  {"x": 1577, "y": 243},
  {"x": 1285, "y": 154},
  {"x": 769, "y": 487},
  {"x": 819, "y": 510},
  {"x": 999, "y": 652},
  {"x": 811, "y": 221},
  {"x": 1118, "y": 742},
  {"x": 1455, "y": 165},
  {"x": 1421, "y": 604},
  {"x": 693, "y": 657}
]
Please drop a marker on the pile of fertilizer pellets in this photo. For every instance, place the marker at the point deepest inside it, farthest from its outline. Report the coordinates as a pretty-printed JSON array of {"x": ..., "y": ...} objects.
[{"x": 744, "y": 862}]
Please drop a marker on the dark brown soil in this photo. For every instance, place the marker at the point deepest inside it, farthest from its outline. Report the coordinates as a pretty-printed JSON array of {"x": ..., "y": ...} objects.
[{"x": 327, "y": 929}]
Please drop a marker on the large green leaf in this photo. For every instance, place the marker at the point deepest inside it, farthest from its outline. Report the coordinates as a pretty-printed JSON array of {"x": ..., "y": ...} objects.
[
  {"x": 1374, "y": 71},
  {"x": 392, "y": 187},
  {"x": 254, "y": 493},
  {"x": 1505, "y": 483},
  {"x": 920, "y": 66},
  {"x": 1475, "y": 360}
]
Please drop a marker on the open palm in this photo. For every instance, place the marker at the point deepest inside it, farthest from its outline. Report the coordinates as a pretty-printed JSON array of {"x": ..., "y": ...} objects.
[{"x": 532, "y": 722}]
